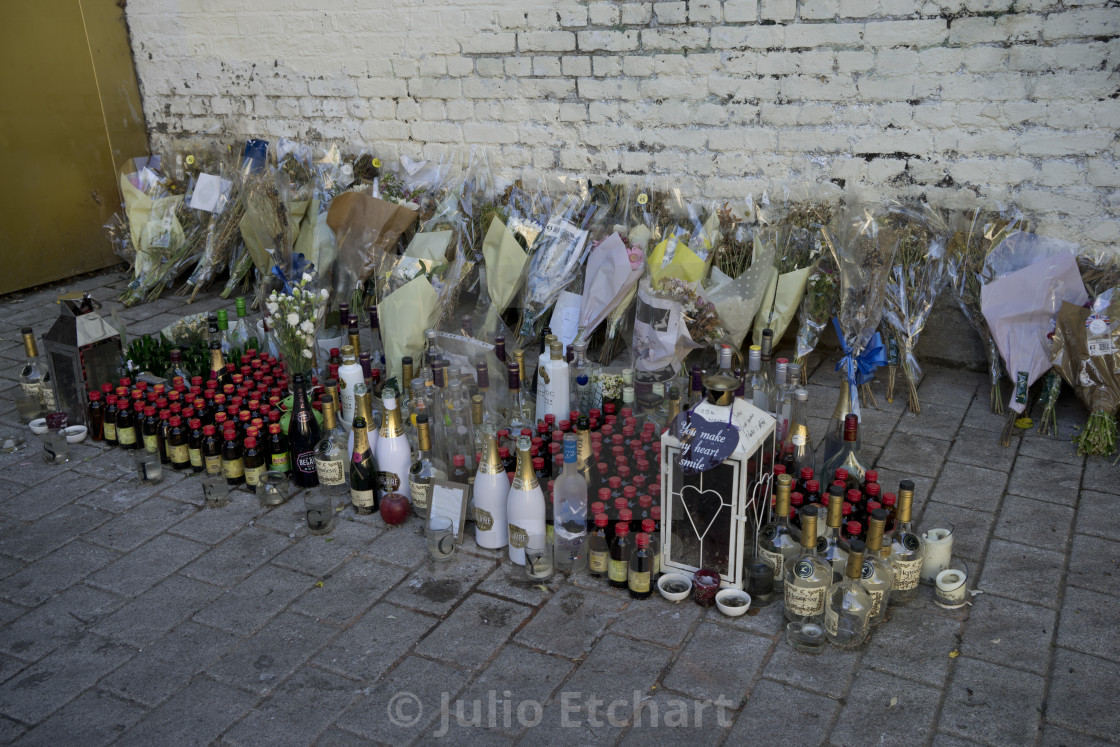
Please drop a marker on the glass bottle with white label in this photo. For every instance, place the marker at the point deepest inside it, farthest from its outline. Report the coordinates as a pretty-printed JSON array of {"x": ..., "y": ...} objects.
[
  {"x": 778, "y": 542},
  {"x": 349, "y": 375},
  {"x": 806, "y": 590},
  {"x": 797, "y": 448},
  {"x": 331, "y": 455},
  {"x": 425, "y": 469},
  {"x": 877, "y": 575},
  {"x": 363, "y": 471},
  {"x": 848, "y": 610},
  {"x": 907, "y": 548},
  {"x": 525, "y": 509},
  {"x": 830, "y": 543},
  {"x": 491, "y": 491}
]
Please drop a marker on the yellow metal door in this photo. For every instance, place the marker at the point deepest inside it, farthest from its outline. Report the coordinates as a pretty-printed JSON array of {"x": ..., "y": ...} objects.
[{"x": 70, "y": 116}]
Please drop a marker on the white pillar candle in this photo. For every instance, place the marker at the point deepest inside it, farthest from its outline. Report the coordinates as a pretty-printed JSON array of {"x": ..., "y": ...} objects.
[
  {"x": 939, "y": 551},
  {"x": 952, "y": 587}
]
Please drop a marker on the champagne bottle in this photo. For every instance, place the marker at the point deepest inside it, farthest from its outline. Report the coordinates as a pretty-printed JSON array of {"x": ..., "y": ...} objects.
[
  {"x": 303, "y": 437},
  {"x": 525, "y": 509},
  {"x": 491, "y": 492},
  {"x": 392, "y": 453},
  {"x": 219, "y": 374},
  {"x": 362, "y": 471}
]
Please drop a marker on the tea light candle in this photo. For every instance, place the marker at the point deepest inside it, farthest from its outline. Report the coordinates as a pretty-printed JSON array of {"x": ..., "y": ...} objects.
[
  {"x": 939, "y": 551},
  {"x": 952, "y": 588}
]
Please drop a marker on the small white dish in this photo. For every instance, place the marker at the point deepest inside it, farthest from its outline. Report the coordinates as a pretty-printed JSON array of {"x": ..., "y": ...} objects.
[
  {"x": 75, "y": 434},
  {"x": 670, "y": 578},
  {"x": 733, "y": 602},
  {"x": 38, "y": 426}
]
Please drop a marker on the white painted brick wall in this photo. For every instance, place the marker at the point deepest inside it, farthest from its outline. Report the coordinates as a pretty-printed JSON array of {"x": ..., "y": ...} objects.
[{"x": 963, "y": 101}]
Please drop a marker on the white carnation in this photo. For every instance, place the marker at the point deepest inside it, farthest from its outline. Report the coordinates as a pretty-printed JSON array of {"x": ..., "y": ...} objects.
[
  {"x": 306, "y": 353},
  {"x": 293, "y": 319},
  {"x": 323, "y": 294},
  {"x": 307, "y": 326},
  {"x": 306, "y": 278},
  {"x": 272, "y": 307}
]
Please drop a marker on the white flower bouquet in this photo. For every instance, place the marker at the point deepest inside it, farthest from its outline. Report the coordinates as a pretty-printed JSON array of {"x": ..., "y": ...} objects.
[{"x": 294, "y": 320}]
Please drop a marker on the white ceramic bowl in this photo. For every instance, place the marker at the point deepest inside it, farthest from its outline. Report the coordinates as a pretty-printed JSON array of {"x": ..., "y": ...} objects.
[
  {"x": 670, "y": 595},
  {"x": 75, "y": 434},
  {"x": 726, "y": 595},
  {"x": 38, "y": 426}
]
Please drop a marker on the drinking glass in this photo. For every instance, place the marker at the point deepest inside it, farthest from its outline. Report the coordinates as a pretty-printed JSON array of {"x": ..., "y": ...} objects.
[
  {"x": 538, "y": 557},
  {"x": 148, "y": 467},
  {"x": 215, "y": 490},
  {"x": 760, "y": 581},
  {"x": 56, "y": 449},
  {"x": 441, "y": 538},
  {"x": 319, "y": 512},
  {"x": 272, "y": 490}
]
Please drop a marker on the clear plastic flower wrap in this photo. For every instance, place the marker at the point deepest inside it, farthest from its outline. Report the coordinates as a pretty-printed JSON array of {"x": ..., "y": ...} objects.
[
  {"x": 817, "y": 308},
  {"x": 742, "y": 270},
  {"x": 916, "y": 278},
  {"x": 863, "y": 256},
  {"x": 1084, "y": 351},
  {"x": 1031, "y": 276},
  {"x": 791, "y": 221},
  {"x": 974, "y": 234}
]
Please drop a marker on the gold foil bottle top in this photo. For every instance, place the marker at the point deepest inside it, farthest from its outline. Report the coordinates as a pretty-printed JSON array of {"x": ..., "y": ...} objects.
[
  {"x": 855, "y": 559},
  {"x": 423, "y": 432},
  {"x": 556, "y": 351},
  {"x": 347, "y": 351},
  {"x": 781, "y": 493},
  {"x": 29, "y": 342},
  {"x": 327, "y": 404},
  {"x": 476, "y": 409},
  {"x": 406, "y": 368},
  {"x": 835, "y": 508},
  {"x": 525, "y": 479},
  {"x": 905, "y": 501},
  {"x": 809, "y": 527},
  {"x": 391, "y": 426},
  {"x": 361, "y": 437},
  {"x": 875, "y": 530},
  {"x": 492, "y": 462}
]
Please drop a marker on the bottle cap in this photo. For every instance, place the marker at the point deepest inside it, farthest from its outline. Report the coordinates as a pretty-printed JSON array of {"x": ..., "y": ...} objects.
[
  {"x": 854, "y": 528},
  {"x": 150, "y": 411},
  {"x": 250, "y": 443},
  {"x": 643, "y": 539},
  {"x": 806, "y": 474},
  {"x": 645, "y": 501},
  {"x": 854, "y": 496},
  {"x": 871, "y": 476},
  {"x": 648, "y": 525},
  {"x": 622, "y": 529},
  {"x": 601, "y": 520},
  {"x": 620, "y": 503},
  {"x": 274, "y": 428},
  {"x": 459, "y": 460},
  {"x": 655, "y": 513},
  {"x": 175, "y": 421},
  {"x": 625, "y": 514},
  {"x": 604, "y": 494}
]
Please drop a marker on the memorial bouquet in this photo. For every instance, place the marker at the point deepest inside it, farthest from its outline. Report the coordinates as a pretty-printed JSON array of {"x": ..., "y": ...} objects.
[
  {"x": 293, "y": 315},
  {"x": 863, "y": 255},
  {"x": 917, "y": 276},
  {"x": 742, "y": 270},
  {"x": 817, "y": 308}
]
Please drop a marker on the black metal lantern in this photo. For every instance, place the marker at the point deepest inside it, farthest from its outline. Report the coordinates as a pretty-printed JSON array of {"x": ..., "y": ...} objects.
[{"x": 83, "y": 351}]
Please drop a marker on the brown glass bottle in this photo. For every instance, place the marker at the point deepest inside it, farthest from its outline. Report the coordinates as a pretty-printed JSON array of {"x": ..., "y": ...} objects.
[
  {"x": 233, "y": 463},
  {"x": 279, "y": 459},
  {"x": 110, "y": 422},
  {"x": 254, "y": 463},
  {"x": 619, "y": 564},
  {"x": 639, "y": 578},
  {"x": 163, "y": 433},
  {"x": 126, "y": 428},
  {"x": 178, "y": 450},
  {"x": 96, "y": 411},
  {"x": 598, "y": 551},
  {"x": 211, "y": 451},
  {"x": 194, "y": 445}
]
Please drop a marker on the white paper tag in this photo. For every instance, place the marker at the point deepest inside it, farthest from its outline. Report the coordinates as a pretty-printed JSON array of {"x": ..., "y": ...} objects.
[
  {"x": 565, "y": 317},
  {"x": 210, "y": 193},
  {"x": 1101, "y": 347},
  {"x": 567, "y": 233}
]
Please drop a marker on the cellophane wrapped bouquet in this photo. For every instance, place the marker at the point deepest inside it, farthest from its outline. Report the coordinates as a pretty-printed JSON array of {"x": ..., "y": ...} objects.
[
  {"x": 742, "y": 269},
  {"x": 916, "y": 278}
]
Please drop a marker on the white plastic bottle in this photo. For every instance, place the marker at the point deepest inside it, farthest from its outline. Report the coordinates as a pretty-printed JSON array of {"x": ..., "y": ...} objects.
[
  {"x": 525, "y": 511},
  {"x": 491, "y": 492}
]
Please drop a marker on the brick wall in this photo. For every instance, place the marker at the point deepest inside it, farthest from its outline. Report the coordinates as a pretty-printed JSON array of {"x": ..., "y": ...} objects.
[{"x": 959, "y": 100}]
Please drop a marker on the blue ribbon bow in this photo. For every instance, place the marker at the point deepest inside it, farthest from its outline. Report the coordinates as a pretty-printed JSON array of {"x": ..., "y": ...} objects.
[
  {"x": 300, "y": 265},
  {"x": 860, "y": 368}
]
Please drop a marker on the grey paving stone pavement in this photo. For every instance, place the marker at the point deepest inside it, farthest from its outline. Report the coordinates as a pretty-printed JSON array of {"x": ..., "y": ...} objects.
[{"x": 131, "y": 614}]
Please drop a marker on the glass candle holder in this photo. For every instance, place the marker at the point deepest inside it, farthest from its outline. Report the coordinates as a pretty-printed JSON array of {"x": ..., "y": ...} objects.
[
  {"x": 538, "y": 557},
  {"x": 148, "y": 467},
  {"x": 215, "y": 490},
  {"x": 56, "y": 449},
  {"x": 951, "y": 586},
  {"x": 318, "y": 510},
  {"x": 441, "y": 538},
  {"x": 705, "y": 586},
  {"x": 939, "y": 550},
  {"x": 273, "y": 488},
  {"x": 760, "y": 581}
]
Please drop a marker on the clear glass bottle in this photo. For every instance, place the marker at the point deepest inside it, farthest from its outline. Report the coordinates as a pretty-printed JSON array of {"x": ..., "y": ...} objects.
[
  {"x": 525, "y": 509},
  {"x": 848, "y": 457},
  {"x": 223, "y": 331},
  {"x": 758, "y": 389},
  {"x": 830, "y": 544},
  {"x": 672, "y": 408},
  {"x": 376, "y": 348},
  {"x": 458, "y": 426},
  {"x": 806, "y": 590},
  {"x": 833, "y": 442},
  {"x": 582, "y": 396},
  {"x": 331, "y": 454},
  {"x": 877, "y": 575},
  {"x": 425, "y": 469},
  {"x": 34, "y": 379},
  {"x": 778, "y": 542},
  {"x": 848, "y": 611},
  {"x": 491, "y": 493},
  {"x": 520, "y": 411},
  {"x": 569, "y": 510},
  {"x": 695, "y": 387},
  {"x": 797, "y": 448},
  {"x": 175, "y": 366},
  {"x": 239, "y": 332},
  {"x": 907, "y": 548}
]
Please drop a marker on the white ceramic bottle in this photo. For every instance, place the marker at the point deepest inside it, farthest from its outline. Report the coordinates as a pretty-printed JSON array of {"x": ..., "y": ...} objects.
[
  {"x": 491, "y": 492},
  {"x": 392, "y": 454},
  {"x": 525, "y": 510}
]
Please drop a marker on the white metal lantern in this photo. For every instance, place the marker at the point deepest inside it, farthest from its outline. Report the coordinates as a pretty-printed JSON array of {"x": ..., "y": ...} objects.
[{"x": 709, "y": 517}]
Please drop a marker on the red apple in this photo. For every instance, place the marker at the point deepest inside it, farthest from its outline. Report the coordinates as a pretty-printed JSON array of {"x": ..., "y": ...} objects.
[{"x": 394, "y": 509}]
